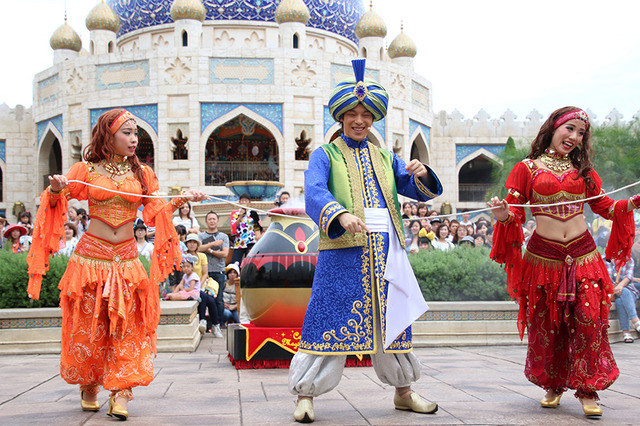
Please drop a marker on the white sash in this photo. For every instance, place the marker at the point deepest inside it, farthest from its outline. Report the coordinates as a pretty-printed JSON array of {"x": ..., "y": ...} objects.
[{"x": 405, "y": 302}]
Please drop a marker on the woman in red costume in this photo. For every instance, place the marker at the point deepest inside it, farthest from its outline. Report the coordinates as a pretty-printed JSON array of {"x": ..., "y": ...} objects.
[
  {"x": 561, "y": 282},
  {"x": 110, "y": 307}
]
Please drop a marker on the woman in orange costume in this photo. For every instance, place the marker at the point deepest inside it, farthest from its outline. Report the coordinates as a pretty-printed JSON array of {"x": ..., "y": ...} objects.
[
  {"x": 561, "y": 281},
  {"x": 110, "y": 307}
]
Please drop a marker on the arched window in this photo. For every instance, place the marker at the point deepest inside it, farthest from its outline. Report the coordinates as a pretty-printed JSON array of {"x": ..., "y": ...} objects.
[
  {"x": 110, "y": 47},
  {"x": 295, "y": 41},
  {"x": 185, "y": 38},
  {"x": 91, "y": 48},
  {"x": 364, "y": 52}
]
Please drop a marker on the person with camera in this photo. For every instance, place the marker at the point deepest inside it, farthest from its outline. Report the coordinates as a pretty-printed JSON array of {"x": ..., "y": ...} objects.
[{"x": 245, "y": 228}]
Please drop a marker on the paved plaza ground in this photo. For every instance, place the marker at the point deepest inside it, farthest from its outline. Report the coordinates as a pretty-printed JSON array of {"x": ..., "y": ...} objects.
[{"x": 473, "y": 385}]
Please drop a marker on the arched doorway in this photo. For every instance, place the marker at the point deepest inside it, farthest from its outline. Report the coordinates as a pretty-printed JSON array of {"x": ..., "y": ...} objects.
[
  {"x": 419, "y": 150},
  {"x": 145, "y": 151},
  {"x": 241, "y": 149},
  {"x": 50, "y": 159},
  {"x": 474, "y": 179}
]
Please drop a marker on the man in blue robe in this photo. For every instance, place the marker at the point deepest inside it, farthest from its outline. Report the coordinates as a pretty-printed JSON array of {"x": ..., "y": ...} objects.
[{"x": 365, "y": 295}]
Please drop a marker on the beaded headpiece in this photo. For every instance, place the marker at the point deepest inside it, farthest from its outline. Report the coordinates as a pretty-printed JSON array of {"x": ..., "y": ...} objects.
[
  {"x": 352, "y": 91},
  {"x": 572, "y": 115},
  {"x": 120, "y": 120}
]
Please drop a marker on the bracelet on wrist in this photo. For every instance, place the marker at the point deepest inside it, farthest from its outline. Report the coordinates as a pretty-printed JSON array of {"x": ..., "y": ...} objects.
[
  {"x": 52, "y": 192},
  {"x": 508, "y": 220}
]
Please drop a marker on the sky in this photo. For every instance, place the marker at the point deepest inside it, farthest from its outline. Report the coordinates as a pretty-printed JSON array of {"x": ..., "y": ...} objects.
[{"x": 493, "y": 55}]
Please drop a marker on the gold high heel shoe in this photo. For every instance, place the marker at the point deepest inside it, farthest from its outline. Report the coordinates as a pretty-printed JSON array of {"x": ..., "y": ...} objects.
[
  {"x": 551, "y": 403},
  {"x": 116, "y": 410},
  {"x": 88, "y": 405},
  {"x": 591, "y": 410}
]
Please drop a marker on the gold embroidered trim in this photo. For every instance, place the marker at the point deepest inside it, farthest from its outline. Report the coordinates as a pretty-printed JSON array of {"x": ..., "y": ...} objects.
[
  {"x": 552, "y": 263},
  {"x": 423, "y": 188},
  {"x": 558, "y": 196}
]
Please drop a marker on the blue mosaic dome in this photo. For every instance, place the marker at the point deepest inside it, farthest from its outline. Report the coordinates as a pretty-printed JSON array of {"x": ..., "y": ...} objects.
[{"x": 337, "y": 16}]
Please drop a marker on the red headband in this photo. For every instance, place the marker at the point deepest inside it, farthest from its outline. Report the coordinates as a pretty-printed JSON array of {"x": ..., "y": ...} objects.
[
  {"x": 572, "y": 115},
  {"x": 120, "y": 120}
]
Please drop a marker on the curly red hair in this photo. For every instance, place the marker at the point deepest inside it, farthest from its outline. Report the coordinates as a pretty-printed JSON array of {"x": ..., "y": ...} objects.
[{"x": 101, "y": 147}]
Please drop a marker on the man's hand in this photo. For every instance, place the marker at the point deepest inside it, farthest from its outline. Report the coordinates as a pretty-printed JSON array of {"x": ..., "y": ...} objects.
[
  {"x": 351, "y": 223},
  {"x": 416, "y": 168}
]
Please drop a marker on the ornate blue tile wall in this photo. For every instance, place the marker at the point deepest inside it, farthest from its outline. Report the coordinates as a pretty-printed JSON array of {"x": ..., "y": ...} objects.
[
  {"x": 148, "y": 113},
  {"x": 426, "y": 130},
  {"x": 3, "y": 150},
  {"x": 338, "y": 16},
  {"x": 42, "y": 126},
  {"x": 463, "y": 151},
  {"x": 212, "y": 111}
]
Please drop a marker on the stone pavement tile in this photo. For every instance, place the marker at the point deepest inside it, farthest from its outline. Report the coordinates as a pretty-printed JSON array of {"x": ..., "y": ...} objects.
[
  {"x": 62, "y": 413},
  {"x": 163, "y": 418}
]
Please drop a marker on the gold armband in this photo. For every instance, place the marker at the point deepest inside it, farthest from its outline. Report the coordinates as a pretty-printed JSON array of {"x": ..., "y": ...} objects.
[
  {"x": 178, "y": 202},
  {"x": 508, "y": 220}
]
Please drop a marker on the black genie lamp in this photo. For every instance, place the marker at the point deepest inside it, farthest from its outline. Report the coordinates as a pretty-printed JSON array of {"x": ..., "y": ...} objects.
[{"x": 277, "y": 274}]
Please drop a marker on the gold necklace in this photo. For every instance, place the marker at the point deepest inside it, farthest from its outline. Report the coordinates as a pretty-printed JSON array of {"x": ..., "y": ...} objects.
[
  {"x": 555, "y": 161},
  {"x": 119, "y": 166}
]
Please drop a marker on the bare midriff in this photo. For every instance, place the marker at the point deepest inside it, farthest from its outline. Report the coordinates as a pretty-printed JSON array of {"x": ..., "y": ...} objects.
[{"x": 558, "y": 230}]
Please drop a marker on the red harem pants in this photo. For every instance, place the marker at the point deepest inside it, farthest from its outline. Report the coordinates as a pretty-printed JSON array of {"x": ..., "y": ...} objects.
[
  {"x": 109, "y": 314},
  {"x": 568, "y": 340}
]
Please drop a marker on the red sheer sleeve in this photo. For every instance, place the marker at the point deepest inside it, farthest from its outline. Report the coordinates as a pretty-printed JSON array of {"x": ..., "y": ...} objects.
[
  {"x": 508, "y": 235},
  {"x": 157, "y": 212},
  {"x": 623, "y": 228},
  {"x": 48, "y": 226}
]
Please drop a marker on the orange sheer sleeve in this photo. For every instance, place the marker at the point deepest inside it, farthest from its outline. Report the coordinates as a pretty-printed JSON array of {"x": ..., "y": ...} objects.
[
  {"x": 157, "y": 212},
  {"x": 48, "y": 226}
]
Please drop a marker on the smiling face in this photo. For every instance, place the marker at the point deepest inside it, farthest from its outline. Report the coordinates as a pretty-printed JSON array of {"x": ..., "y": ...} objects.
[
  {"x": 357, "y": 122},
  {"x": 185, "y": 210},
  {"x": 415, "y": 228},
  {"x": 461, "y": 232},
  {"x": 406, "y": 209},
  {"x": 192, "y": 245},
  {"x": 568, "y": 136},
  {"x": 125, "y": 140},
  {"x": 443, "y": 231}
]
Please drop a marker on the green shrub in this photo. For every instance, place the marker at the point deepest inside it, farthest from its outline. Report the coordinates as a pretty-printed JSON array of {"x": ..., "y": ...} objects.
[
  {"x": 463, "y": 274},
  {"x": 14, "y": 279}
]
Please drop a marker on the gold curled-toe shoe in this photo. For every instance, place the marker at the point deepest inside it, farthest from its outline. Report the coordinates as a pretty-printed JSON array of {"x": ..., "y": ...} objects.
[
  {"x": 591, "y": 410},
  {"x": 551, "y": 403},
  {"x": 115, "y": 410},
  {"x": 88, "y": 405},
  {"x": 415, "y": 403},
  {"x": 304, "y": 411}
]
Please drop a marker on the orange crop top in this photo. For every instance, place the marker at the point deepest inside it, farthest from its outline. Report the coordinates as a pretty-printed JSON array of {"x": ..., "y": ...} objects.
[
  {"x": 108, "y": 207},
  {"x": 528, "y": 182}
]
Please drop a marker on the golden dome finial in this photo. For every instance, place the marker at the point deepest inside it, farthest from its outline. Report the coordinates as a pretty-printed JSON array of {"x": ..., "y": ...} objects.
[
  {"x": 65, "y": 37},
  {"x": 370, "y": 25},
  {"x": 292, "y": 11},
  {"x": 102, "y": 17},
  {"x": 402, "y": 45},
  {"x": 188, "y": 9}
]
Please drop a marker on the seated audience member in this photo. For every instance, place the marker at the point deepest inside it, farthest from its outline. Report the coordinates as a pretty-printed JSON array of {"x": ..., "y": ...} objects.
[
  {"x": 145, "y": 248},
  {"x": 471, "y": 230},
  {"x": 479, "y": 240},
  {"x": 182, "y": 234},
  {"x": 424, "y": 243},
  {"x": 186, "y": 218},
  {"x": 24, "y": 219},
  {"x": 189, "y": 287},
  {"x": 68, "y": 244},
  {"x": 207, "y": 299},
  {"x": 230, "y": 304},
  {"x": 25, "y": 244},
  {"x": 453, "y": 230},
  {"x": 82, "y": 221},
  {"x": 482, "y": 227},
  {"x": 423, "y": 210},
  {"x": 625, "y": 294},
  {"x": 12, "y": 233},
  {"x": 440, "y": 242},
  {"x": 412, "y": 240},
  {"x": 414, "y": 210},
  {"x": 467, "y": 241},
  {"x": 461, "y": 232},
  {"x": 406, "y": 210}
]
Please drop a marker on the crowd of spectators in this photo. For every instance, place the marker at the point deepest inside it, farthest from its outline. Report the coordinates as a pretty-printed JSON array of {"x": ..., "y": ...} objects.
[{"x": 427, "y": 230}]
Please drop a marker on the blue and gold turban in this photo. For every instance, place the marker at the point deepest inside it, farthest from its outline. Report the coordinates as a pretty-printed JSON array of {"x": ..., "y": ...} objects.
[{"x": 352, "y": 91}]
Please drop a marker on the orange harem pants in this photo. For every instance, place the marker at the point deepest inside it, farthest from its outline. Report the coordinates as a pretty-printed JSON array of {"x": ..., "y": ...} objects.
[
  {"x": 568, "y": 341},
  {"x": 110, "y": 312}
]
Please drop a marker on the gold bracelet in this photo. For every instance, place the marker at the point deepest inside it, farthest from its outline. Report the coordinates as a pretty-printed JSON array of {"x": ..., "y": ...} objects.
[
  {"x": 508, "y": 220},
  {"x": 178, "y": 202},
  {"x": 52, "y": 192}
]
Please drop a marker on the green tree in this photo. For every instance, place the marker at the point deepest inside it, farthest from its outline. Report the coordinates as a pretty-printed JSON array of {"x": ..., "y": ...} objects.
[
  {"x": 616, "y": 153},
  {"x": 509, "y": 157}
]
